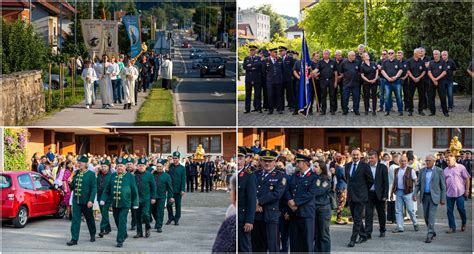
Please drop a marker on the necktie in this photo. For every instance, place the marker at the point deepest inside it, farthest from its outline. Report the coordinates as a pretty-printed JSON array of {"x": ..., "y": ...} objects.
[{"x": 353, "y": 168}]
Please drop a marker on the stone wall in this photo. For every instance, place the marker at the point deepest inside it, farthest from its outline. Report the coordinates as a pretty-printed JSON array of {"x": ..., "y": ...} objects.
[{"x": 21, "y": 98}]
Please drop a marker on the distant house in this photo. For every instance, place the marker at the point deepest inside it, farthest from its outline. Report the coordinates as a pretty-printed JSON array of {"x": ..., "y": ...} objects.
[
  {"x": 294, "y": 32},
  {"x": 51, "y": 20},
  {"x": 245, "y": 34},
  {"x": 12, "y": 10},
  {"x": 259, "y": 22}
]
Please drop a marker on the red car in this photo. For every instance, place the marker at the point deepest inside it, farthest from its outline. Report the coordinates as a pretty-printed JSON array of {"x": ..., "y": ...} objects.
[
  {"x": 186, "y": 44},
  {"x": 27, "y": 194}
]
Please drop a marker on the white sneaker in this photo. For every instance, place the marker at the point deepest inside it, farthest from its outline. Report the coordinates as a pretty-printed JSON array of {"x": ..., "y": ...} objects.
[
  {"x": 111, "y": 105},
  {"x": 87, "y": 107}
]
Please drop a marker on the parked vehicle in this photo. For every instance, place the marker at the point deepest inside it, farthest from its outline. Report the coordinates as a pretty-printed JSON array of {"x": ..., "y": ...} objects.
[
  {"x": 27, "y": 194},
  {"x": 54, "y": 82}
]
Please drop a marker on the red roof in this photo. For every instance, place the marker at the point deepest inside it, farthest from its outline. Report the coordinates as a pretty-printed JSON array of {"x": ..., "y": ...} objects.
[{"x": 15, "y": 3}]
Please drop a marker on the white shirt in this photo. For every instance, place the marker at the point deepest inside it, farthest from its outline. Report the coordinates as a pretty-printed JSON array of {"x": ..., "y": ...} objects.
[
  {"x": 115, "y": 72},
  {"x": 401, "y": 172},
  {"x": 373, "y": 168}
]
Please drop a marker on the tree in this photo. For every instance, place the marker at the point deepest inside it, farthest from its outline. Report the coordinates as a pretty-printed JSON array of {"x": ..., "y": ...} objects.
[
  {"x": 70, "y": 46},
  {"x": 205, "y": 23},
  {"x": 442, "y": 26},
  {"x": 341, "y": 24},
  {"x": 277, "y": 23}
]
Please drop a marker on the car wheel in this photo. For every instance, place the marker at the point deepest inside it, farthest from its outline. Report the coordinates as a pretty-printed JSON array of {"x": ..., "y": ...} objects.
[
  {"x": 21, "y": 217},
  {"x": 61, "y": 211}
]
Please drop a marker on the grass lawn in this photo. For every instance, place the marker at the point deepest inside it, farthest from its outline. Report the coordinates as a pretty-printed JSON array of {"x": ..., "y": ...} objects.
[
  {"x": 157, "y": 110},
  {"x": 68, "y": 98}
]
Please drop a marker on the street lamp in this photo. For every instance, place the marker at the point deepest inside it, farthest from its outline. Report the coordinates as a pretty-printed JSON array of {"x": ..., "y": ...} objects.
[{"x": 365, "y": 23}]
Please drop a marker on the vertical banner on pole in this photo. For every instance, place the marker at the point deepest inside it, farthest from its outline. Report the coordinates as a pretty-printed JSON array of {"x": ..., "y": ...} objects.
[
  {"x": 110, "y": 32},
  {"x": 93, "y": 36},
  {"x": 132, "y": 26}
]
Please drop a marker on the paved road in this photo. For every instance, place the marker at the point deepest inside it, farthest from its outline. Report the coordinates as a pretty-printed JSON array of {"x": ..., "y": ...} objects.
[
  {"x": 202, "y": 215},
  {"x": 78, "y": 115},
  {"x": 459, "y": 117},
  {"x": 409, "y": 241},
  {"x": 208, "y": 101}
]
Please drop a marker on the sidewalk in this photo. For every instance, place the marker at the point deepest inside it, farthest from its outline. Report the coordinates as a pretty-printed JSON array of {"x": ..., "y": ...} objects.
[{"x": 78, "y": 115}]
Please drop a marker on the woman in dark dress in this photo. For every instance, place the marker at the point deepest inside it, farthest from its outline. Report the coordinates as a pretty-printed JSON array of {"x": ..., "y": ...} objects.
[{"x": 225, "y": 239}]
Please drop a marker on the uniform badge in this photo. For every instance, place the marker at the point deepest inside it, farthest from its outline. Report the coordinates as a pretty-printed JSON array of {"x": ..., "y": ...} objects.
[
  {"x": 421, "y": 68},
  {"x": 283, "y": 181},
  {"x": 241, "y": 174},
  {"x": 120, "y": 160},
  {"x": 268, "y": 153},
  {"x": 404, "y": 65},
  {"x": 332, "y": 66},
  {"x": 396, "y": 66},
  {"x": 325, "y": 184},
  {"x": 273, "y": 174},
  {"x": 357, "y": 67},
  {"x": 271, "y": 187},
  {"x": 318, "y": 183},
  {"x": 373, "y": 67},
  {"x": 440, "y": 67},
  {"x": 449, "y": 67}
]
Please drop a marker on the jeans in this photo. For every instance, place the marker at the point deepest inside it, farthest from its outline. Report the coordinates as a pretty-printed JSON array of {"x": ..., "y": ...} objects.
[
  {"x": 450, "y": 87},
  {"x": 404, "y": 199},
  {"x": 117, "y": 90},
  {"x": 460, "y": 205},
  {"x": 346, "y": 91},
  {"x": 383, "y": 83},
  {"x": 396, "y": 88}
]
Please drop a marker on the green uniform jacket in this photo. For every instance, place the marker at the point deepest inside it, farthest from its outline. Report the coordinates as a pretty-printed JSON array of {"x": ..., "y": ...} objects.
[
  {"x": 178, "y": 177},
  {"x": 146, "y": 186},
  {"x": 102, "y": 183},
  {"x": 123, "y": 191},
  {"x": 84, "y": 186},
  {"x": 164, "y": 189}
]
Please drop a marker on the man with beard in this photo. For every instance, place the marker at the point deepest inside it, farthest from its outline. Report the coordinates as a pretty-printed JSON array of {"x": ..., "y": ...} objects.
[
  {"x": 124, "y": 193},
  {"x": 146, "y": 195},
  {"x": 164, "y": 190}
]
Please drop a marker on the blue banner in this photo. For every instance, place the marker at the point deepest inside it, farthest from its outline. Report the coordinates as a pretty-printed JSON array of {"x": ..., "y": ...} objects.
[
  {"x": 132, "y": 25},
  {"x": 304, "y": 96}
]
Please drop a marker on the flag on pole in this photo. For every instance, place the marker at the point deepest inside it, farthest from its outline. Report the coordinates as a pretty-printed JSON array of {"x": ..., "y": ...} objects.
[
  {"x": 132, "y": 25},
  {"x": 304, "y": 96}
]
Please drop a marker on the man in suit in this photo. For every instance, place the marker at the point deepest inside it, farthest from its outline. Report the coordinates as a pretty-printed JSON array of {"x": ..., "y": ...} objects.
[
  {"x": 253, "y": 79},
  {"x": 360, "y": 180},
  {"x": 287, "y": 71},
  {"x": 206, "y": 174},
  {"x": 246, "y": 200},
  {"x": 378, "y": 195},
  {"x": 432, "y": 188},
  {"x": 272, "y": 69},
  {"x": 441, "y": 162}
]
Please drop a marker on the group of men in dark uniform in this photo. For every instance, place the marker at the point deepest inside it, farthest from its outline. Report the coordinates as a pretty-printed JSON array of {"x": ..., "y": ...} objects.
[
  {"x": 273, "y": 206},
  {"x": 142, "y": 188},
  {"x": 275, "y": 74},
  {"x": 206, "y": 170}
]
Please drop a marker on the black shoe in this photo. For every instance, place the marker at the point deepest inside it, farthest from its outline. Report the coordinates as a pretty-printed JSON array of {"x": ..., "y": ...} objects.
[
  {"x": 101, "y": 234},
  {"x": 333, "y": 113},
  {"x": 246, "y": 112},
  {"x": 322, "y": 113},
  {"x": 361, "y": 240},
  {"x": 374, "y": 113},
  {"x": 369, "y": 237},
  {"x": 169, "y": 221},
  {"x": 260, "y": 111},
  {"x": 386, "y": 113},
  {"x": 280, "y": 112},
  {"x": 434, "y": 235},
  {"x": 410, "y": 113},
  {"x": 138, "y": 236},
  {"x": 147, "y": 233},
  {"x": 133, "y": 228},
  {"x": 92, "y": 239},
  {"x": 446, "y": 114},
  {"x": 432, "y": 114},
  {"x": 71, "y": 243},
  {"x": 344, "y": 113},
  {"x": 416, "y": 227},
  {"x": 176, "y": 223},
  {"x": 295, "y": 113},
  {"x": 129, "y": 105},
  {"x": 382, "y": 234},
  {"x": 400, "y": 114},
  {"x": 428, "y": 239},
  {"x": 366, "y": 113},
  {"x": 119, "y": 244},
  {"x": 351, "y": 244},
  {"x": 159, "y": 230},
  {"x": 421, "y": 113},
  {"x": 357, "y": 113},
  {"x": 254, "y": 110}
]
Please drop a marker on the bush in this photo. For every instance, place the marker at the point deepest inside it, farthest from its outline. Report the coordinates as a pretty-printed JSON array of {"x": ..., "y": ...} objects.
[
  {"x": 22, "y": 49},
  {"x": 15, "y": 140}
]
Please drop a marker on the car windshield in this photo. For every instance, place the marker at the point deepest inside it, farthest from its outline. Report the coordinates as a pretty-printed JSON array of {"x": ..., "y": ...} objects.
[
  {"x": 5, "y": 181},
  {"x": 212, "y": 60}
]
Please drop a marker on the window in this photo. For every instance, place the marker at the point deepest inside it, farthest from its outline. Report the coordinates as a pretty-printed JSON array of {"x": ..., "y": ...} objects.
[
  {"x": 5, "y": 182},
  {"x": 25, "y": 182},
  {"x": 40, "y": 182},
  {"x": 398, "y": 138},
  {"x": 161, "y": 144},
  {"x": 442, "y": 137},
  {"x": 210, "y": 143}
]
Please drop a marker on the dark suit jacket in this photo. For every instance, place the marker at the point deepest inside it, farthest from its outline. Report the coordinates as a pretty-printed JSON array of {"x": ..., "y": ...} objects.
[
  {"x": 359, "y": 184},
  {"x": 381, "y": 181}
]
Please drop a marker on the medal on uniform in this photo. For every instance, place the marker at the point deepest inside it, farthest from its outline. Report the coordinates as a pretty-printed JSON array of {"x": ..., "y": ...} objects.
[
  {"x": 271, "y": 187},
  {"x": 318, "y": 183},
  {"x": 325, "y": 184},
  {"x": 241, "y": 174},
  {"x": 396, "y": 66},
  {"x": 283, "y": 181},
  {"x": 440, "y": 67}
]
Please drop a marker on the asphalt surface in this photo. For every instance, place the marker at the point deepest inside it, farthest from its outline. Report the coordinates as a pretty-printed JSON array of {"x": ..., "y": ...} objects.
[
  {"x": 202, "y": 215},
  {"x": 208, "y": 101}
]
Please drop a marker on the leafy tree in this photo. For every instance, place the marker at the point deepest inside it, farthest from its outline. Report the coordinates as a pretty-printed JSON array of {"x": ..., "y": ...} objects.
[
  {"x": 341, "y": 24},
  {"x": 205, "y": 23},
  {"x": 442, "y": 26},
  {"x": 16, "y": 37},
  {"x": 277, "y": 23}
]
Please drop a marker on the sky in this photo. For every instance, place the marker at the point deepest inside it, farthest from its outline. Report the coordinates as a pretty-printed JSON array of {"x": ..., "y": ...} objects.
[{"x": 288, "y": 7}]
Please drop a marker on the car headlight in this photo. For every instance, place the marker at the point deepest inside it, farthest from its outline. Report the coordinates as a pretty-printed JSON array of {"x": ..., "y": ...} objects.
[
  {"x": 205, "y": 67},
  {"x": 220, "y": 67}
]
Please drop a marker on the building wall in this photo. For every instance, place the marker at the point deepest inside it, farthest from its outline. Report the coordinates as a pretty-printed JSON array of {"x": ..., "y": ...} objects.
[
  {"x": 314, "y": 137},
  {"x": 292, "y": 35},
  {"x": 421, "y": 143},
  {"x": 371, "y": 139},
  {"x": 259, "y": 23},
  {"x": 229, "y": 145},
  {"x": 97, "y": 144},
  {"x": 35, "y": 143}
]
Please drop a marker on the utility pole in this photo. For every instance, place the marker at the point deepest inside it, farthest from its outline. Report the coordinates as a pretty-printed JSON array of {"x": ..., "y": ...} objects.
[
  {"x": 75, "y": 22},
  {"x": 92, "y": 9},
  {"x": 365, "y": 23}
]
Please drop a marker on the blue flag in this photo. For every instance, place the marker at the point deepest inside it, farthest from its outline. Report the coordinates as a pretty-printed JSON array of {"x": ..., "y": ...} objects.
[
  {"x": 133, "y": 27},
  {"x": 304, "y": 96}
]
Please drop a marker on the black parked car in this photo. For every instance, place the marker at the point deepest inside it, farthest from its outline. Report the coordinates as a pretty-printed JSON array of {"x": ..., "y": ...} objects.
[{"x": 213, "y": 65}]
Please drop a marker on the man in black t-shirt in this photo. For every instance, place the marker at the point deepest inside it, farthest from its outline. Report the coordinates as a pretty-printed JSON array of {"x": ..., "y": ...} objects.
[
  {"x": 350, "y": 83},
  {"x": 416, "y": 73},
  {"x": 437, "y": 73},
  {"x": 450, "y": 71},
  {"x": 392, "y": 71},
  {"x": 326, "y": 71}
]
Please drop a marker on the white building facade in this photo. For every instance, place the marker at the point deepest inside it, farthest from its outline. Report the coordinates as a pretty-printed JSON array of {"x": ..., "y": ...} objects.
[{"x": 259, "y": 23}]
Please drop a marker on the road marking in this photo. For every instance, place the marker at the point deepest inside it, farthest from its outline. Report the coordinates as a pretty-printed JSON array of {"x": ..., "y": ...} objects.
[
  {"x": 216, "y": 94},
  {"x": 179, "y": 108},
  {"x": 182, "y": 61}
]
